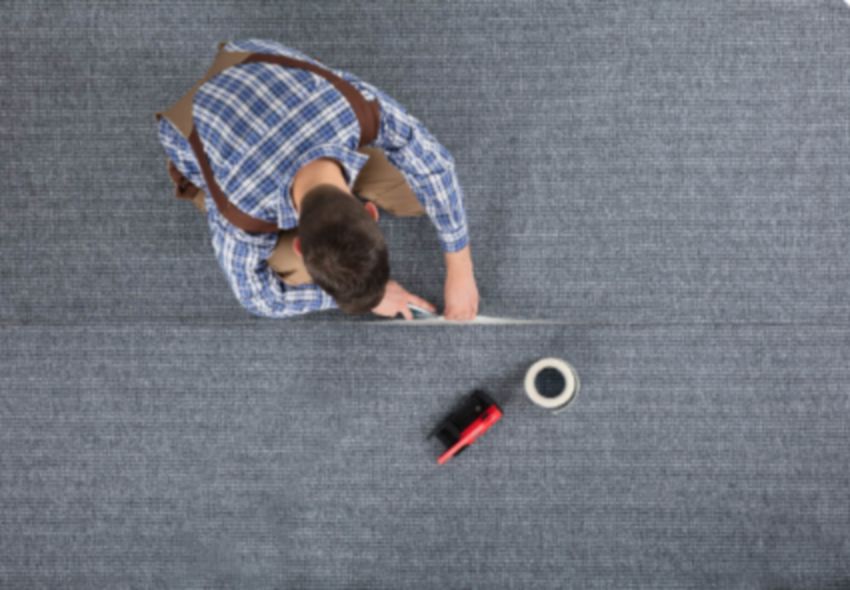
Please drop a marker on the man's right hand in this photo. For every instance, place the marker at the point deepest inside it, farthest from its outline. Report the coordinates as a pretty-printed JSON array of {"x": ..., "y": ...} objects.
[{"x": 395, "y": 302}]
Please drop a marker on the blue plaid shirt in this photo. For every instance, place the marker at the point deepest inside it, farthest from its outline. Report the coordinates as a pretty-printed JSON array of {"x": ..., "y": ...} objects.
[{"x": 260, "y": 123}]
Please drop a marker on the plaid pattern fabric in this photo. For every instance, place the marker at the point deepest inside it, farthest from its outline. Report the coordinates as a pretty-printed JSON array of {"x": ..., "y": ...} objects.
[{"x": 260, "y": 123}]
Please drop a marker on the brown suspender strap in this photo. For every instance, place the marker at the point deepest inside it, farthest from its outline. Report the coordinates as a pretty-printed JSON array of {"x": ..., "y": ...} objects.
[
  {"x": 230, "y": 211},
  {"x": 367, "y": 113}
]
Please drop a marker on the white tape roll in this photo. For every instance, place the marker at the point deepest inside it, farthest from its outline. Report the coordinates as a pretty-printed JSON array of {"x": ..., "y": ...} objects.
[{"x": 550, "y": 401}]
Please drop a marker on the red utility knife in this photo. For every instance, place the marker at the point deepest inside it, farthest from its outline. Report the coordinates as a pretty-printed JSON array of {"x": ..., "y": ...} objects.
[{"x": 463, "y": 427}]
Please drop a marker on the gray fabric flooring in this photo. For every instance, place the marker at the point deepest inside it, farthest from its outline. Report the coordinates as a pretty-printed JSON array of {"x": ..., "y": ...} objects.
[{"x": 666, "y": 181}]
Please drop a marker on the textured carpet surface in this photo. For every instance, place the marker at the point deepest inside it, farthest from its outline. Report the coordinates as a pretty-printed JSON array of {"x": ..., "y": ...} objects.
[{"x": 667, "y": 181}]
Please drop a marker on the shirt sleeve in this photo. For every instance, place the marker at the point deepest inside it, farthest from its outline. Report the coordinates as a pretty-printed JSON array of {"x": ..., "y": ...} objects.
[
  {"x": 242, "y": 256},
  {"x": 427, "y": 165},
  {"x": 178, "y": 150}
]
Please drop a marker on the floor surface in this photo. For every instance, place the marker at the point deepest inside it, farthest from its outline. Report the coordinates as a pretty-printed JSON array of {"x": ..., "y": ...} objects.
[{"x": 667, "y": 182}]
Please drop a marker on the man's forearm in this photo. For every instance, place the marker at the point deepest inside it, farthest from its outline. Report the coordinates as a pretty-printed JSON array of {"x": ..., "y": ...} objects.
[
  {"x": 461, "y": 292},
  {"x": 459, "y": 261}
]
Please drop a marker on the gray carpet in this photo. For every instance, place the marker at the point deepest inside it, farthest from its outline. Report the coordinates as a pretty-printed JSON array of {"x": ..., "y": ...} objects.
[{"x": 666, "y": 181}]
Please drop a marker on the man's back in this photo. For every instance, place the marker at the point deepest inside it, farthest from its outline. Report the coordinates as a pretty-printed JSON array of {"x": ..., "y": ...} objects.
[{"x": 260, "y": 123}]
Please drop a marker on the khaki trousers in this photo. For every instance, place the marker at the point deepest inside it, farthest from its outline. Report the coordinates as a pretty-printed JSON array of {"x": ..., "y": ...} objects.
[{"x": 379, "y": 181}]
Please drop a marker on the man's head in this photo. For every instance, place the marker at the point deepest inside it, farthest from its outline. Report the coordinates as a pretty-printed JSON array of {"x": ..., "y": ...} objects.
[{"x": 343, "y": 248}]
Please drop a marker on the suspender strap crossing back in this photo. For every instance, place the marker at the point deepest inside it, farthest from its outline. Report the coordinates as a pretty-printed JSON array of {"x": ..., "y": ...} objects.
[{"x": 180, "y": 115}]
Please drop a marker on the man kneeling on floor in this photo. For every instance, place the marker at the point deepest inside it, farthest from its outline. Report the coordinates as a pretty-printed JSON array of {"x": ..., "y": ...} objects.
[{"x": 295, "y": 170}]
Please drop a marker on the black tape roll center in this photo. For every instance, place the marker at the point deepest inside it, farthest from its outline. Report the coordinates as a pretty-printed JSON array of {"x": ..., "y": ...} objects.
[{"x": 550, "y": 382}]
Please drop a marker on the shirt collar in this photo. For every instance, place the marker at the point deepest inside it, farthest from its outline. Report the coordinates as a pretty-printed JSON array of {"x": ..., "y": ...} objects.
[{"x": 352, "y": 163}]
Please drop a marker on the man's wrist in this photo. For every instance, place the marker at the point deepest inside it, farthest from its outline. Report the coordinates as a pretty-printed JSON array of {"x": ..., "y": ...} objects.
[{"x": 459, "y": 261}]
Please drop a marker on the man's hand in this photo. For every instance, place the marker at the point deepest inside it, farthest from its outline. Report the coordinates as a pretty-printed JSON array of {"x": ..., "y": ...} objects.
[
  {"x": 461, "y": 292},
  {"x": 395, "y": 301}
]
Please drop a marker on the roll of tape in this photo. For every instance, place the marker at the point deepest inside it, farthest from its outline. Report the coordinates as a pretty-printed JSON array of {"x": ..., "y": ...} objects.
[{"x": 551, "y": 383}]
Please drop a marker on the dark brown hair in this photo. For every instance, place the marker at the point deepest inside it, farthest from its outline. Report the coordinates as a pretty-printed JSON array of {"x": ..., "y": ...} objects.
[{"x": 343, "y": 248}]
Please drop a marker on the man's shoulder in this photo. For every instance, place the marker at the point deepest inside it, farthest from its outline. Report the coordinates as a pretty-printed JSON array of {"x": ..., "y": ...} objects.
[
  {"x": 254, "y": 45},
  {"x": 268, "y": 46}
]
